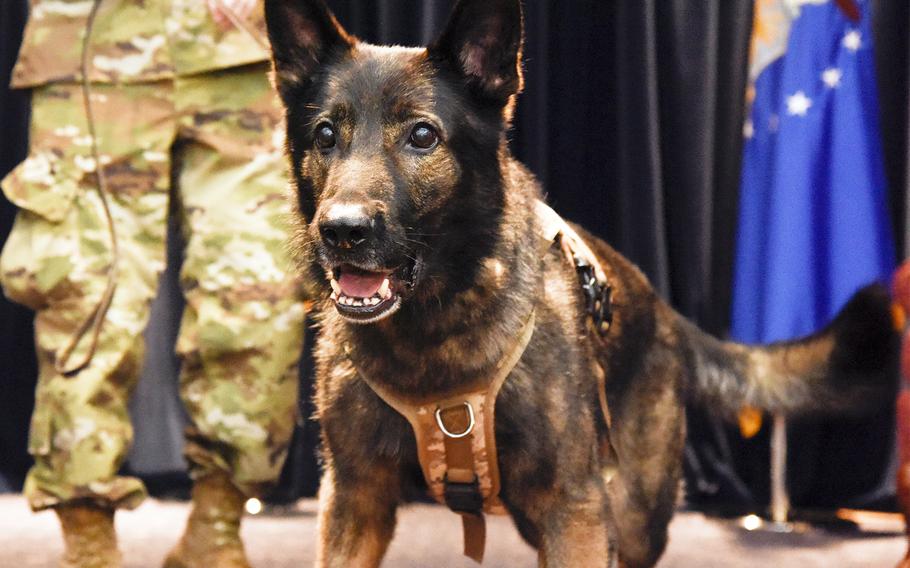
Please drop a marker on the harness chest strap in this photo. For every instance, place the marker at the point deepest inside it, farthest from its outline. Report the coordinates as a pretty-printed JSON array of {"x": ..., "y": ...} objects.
[{"x": 456, "y": 445}]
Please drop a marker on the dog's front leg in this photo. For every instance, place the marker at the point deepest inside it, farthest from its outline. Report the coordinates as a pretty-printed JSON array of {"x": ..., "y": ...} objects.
[
  {"x": 576, "y": 533},
  {"x": 356, "y": 518}
]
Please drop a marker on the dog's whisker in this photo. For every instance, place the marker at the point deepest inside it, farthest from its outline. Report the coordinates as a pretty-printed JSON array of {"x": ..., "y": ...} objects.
[
  {"x": 414, "y": 232},
  {"x": 416, "y": 242}
]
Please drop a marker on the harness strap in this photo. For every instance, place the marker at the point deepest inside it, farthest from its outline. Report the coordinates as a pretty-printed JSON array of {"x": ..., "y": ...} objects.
[
  {"x": 598, "y": 294},
  {"x": 592, "y": 278},
  {"x": 461, "y": 485},
  {"x": 456, "y": 445}
]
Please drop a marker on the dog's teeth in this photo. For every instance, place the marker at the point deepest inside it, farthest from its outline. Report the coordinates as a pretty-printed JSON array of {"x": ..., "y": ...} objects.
[
  {"x": 357, "y": 302},
  {"x": 334, "y": 297},
  {"x": 335, "y": 286},
  {"x": 384, "y": 289},
  {"x": 374, "y": 300},
  {"x": 346, "y": 301}
]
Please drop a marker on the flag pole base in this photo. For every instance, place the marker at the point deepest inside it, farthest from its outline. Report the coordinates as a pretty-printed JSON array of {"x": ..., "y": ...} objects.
[{"x": 754, "y": 523}]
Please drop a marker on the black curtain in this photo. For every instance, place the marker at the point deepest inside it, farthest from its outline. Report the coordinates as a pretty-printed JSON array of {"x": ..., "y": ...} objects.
[
  {"x": 632, "y": 117},
  {"x": 18, "y": 368}
]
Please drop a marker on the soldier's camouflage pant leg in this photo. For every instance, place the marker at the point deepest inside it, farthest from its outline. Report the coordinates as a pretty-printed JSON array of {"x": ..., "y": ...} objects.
[
  {"x": 241, "y": 332},
  {"x": 58, "y": 257},
  {"x": 56, "y": 261}
]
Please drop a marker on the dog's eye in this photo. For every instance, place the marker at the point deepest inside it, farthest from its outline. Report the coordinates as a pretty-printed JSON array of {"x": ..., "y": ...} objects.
[
  {"x": 325, "y": 137},
  {"x": 423, "y": 136}
]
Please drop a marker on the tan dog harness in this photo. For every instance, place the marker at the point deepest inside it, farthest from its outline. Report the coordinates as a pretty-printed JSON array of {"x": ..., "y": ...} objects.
[{"x": 456, "y": 442}]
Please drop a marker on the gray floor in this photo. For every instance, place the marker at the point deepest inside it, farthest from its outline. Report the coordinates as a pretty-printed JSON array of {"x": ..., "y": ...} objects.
[{"x": 430, "y": 536}]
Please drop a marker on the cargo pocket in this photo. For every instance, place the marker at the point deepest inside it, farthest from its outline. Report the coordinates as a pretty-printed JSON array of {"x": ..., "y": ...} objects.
[
  {"x": 44, "y": 184},
  {"x": 39, "y": 252}
]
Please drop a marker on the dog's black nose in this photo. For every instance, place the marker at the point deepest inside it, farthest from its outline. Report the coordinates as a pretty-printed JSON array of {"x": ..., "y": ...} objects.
[{"x": 346, "y": 228}]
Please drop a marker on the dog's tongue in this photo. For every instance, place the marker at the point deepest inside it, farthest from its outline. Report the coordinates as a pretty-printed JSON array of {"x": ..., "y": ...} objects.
[{"x": 362, "y": 285}]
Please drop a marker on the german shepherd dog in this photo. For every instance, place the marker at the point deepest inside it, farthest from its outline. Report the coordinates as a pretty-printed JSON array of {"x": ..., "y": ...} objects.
[{"x": 417, "y": 230}]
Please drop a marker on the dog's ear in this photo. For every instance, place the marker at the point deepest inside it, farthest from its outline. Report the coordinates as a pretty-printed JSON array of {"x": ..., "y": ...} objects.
[
  {"x": 483, "y": 40},
  {"x": 304, "y": 35}
]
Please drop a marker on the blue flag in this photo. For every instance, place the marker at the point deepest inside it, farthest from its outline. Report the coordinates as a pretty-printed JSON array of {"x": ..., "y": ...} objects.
[{"x": 813, "y": 219}]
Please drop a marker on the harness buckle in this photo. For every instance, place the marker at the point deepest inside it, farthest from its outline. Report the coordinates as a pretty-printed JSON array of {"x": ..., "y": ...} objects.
[
  {"x": 463, "y": 497},
  {"x": 598, "y": 296},
  {"x": 445, "y": 430}
]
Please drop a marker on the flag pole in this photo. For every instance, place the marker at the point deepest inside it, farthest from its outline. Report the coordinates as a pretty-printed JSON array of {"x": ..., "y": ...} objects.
[
  {"x": 778, "y": 520},
  {"x": 780, "y": 498}
]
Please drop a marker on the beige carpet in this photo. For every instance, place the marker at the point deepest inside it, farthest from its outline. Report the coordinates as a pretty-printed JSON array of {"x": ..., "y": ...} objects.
[{"x": 429, "y": 536}]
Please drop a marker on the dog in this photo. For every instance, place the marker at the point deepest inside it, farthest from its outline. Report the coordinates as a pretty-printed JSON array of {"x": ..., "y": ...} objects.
[{"x": 421, "y": 237}]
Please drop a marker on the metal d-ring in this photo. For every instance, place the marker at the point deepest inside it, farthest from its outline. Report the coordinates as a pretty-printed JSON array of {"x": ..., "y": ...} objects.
[{"x": 462, "y": 434}]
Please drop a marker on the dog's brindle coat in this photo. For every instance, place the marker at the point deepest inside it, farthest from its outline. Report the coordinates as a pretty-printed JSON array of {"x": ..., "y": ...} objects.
[{"x": 402, "y": 171}]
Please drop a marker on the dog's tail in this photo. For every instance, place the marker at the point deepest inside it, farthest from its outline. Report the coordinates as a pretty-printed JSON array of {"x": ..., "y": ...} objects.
[{"x": 850, "y": 366}]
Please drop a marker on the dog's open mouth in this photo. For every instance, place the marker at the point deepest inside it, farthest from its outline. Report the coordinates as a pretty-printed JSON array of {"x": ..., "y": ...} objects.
[{"x": 365, "y": 296}]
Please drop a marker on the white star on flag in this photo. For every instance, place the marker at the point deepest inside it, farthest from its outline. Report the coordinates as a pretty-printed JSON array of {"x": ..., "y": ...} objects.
[
  {"x": 749, "y": 129},
  {"x": 798, "y": 104},
  {"x": 853, "y": 40},
  {"x": 832, "y": 76}
]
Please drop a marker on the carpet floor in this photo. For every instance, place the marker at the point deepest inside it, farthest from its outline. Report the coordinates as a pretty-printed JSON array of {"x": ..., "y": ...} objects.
[{"x": 431, "y": 536}]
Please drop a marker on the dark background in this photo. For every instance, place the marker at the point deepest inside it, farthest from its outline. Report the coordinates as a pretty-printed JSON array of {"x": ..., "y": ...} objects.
[{"x": 632, "y": 118}]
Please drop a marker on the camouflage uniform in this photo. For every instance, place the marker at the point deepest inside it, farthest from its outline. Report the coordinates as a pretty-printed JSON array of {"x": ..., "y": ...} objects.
[{"x": 175, "y": 99}]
